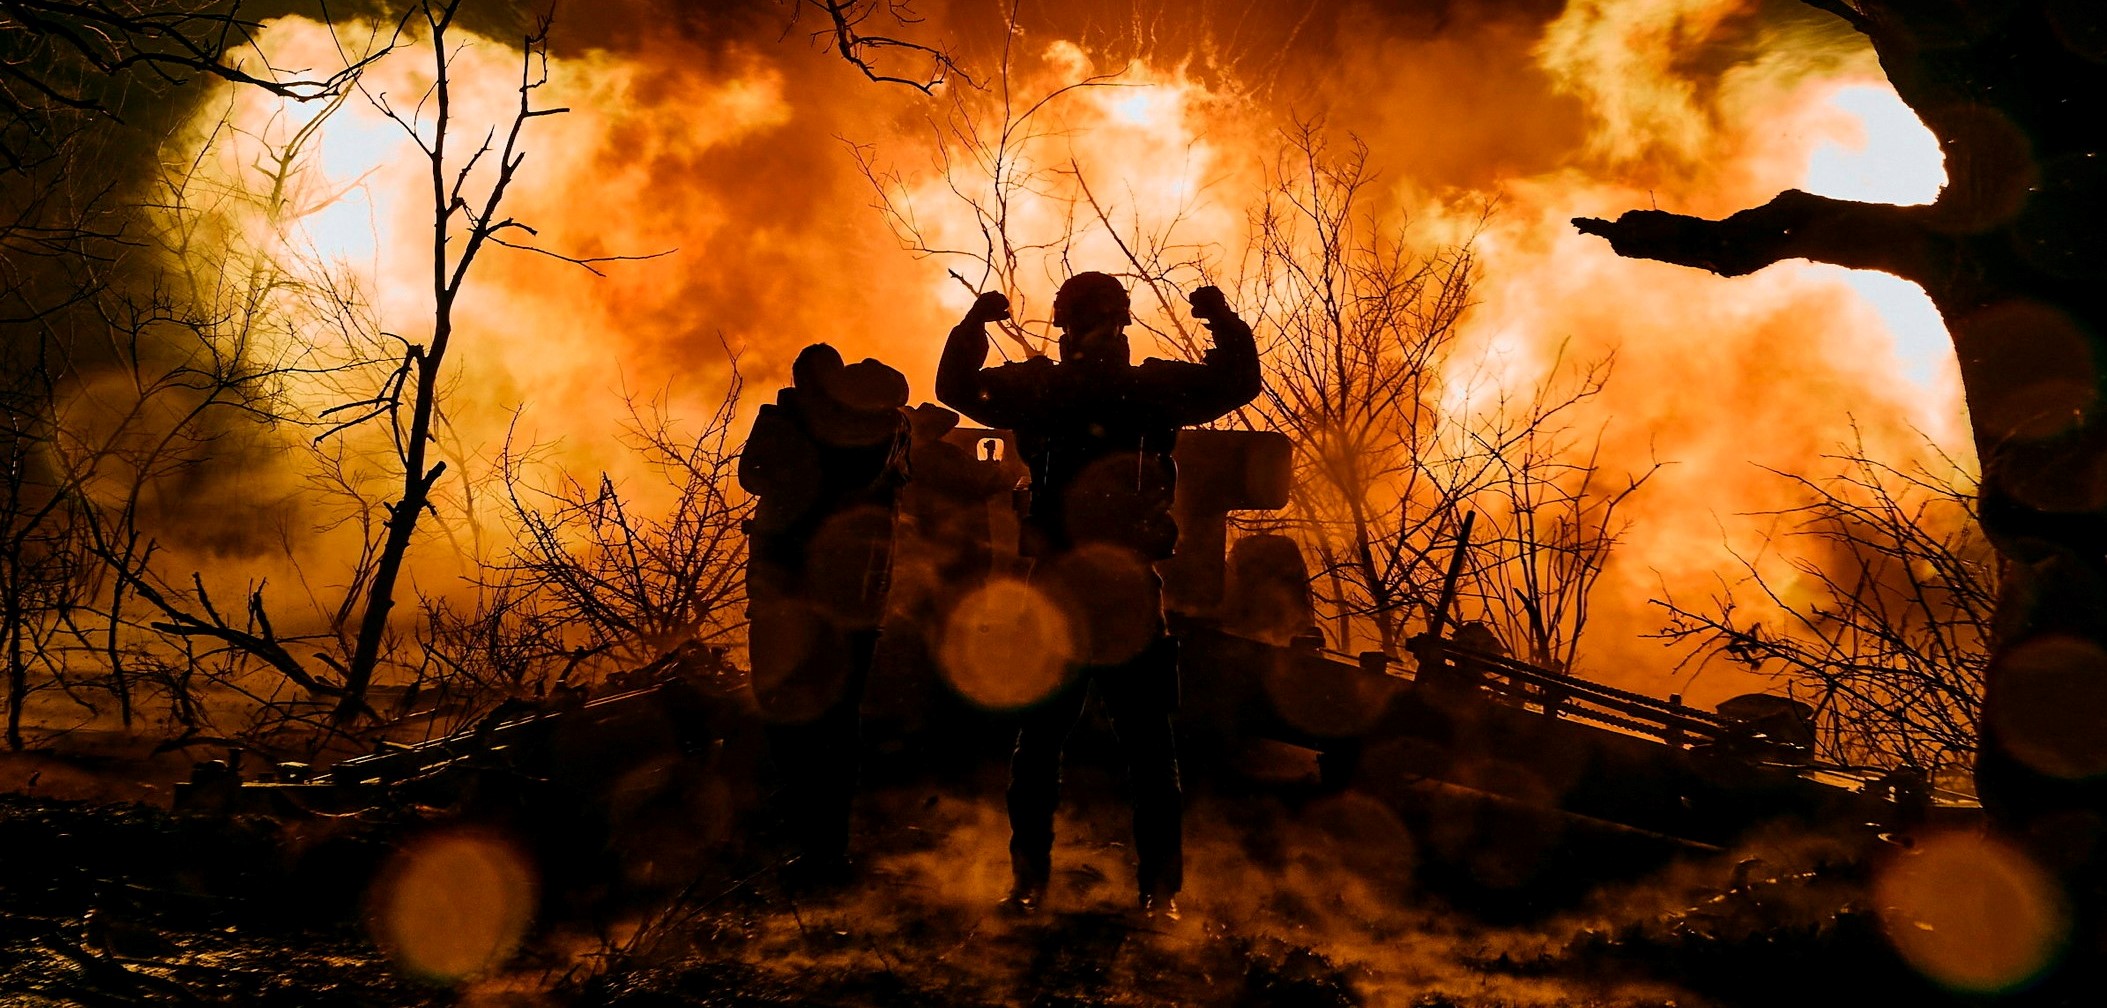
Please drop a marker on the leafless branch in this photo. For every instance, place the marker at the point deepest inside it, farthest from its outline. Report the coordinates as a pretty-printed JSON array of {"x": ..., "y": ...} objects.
[
  {"x": 846, "y": 28},
  {"x": 1892, "y": 644}
]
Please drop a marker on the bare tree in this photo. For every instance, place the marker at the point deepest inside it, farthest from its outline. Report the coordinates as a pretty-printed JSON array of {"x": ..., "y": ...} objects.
[
  {"x": 467, "y": 193},
  {"x": 67, "y": 70},
  {"x": 109, "y": 381},
  {"x": 1001, "y": 157},
  {"x": 848, "y": 29},
  {"x": 453, "y": 201},
  {"x": 39, "y": 558},
  {"x": 116, "y": 407},
  {"x": 1396, "y": 436},
  {"x": 1363, "y": 329},
  {"x": 1361, "y": 324},
  {"x": 1893, "y": 643},
  {"x": 2010, "y": 255},
  {"x": 306, "y": 302},
  {"x": 621, "y": 586},
  {"x": 1547, "y": 524},
  {"x": 70, "y": 60}
]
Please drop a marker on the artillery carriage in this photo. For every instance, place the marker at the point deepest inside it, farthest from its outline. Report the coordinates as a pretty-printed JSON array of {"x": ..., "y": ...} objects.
[{"x": 1543, "y": 770}]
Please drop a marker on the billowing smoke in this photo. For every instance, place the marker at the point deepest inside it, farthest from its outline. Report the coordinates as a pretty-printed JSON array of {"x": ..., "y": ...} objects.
[{"x": 744, "y": 160}]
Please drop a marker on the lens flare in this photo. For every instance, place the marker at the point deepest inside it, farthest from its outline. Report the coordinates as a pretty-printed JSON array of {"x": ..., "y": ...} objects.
[
  {"x": 2044, "y": 393},
  {"x": 452, "y": 904},
  {"x": 1363, "y": 835},
  {"x": 1972, "y": 912},
  {"x": 1110, "y": 598},
  {"x": 1006, "y": 645},
  {"x": 1324, "y": 698},
  {"x": 2050, "y": 690}
]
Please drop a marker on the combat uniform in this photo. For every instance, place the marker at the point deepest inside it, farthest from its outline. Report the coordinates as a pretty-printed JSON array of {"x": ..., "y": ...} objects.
[{"x": 1097, "y": 437}]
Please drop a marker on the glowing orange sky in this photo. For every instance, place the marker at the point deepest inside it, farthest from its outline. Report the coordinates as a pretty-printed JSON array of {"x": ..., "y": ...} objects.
[{"x": 737, "y": 154}]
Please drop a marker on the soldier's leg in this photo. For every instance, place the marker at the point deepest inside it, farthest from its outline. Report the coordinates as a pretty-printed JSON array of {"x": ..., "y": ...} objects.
[
  {"x": 837, "y": 753},
  {"x": 1141, "y": 695},
  {"x": 1035, "y": 784},
  {"x": 802, "y": 672}
]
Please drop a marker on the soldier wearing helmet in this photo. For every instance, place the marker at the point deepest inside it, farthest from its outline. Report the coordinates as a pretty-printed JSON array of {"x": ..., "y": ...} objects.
[{"x": 1097, "y": 433}]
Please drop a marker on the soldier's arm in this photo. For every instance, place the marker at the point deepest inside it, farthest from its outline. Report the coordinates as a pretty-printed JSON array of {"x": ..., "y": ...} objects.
[
  {"x": 959, "y": 376},
  {"x": 1230, "y": 375}
]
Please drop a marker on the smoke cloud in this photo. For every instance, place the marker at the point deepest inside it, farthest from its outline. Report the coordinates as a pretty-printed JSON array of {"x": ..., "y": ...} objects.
[{"x": 725, "y": 148}]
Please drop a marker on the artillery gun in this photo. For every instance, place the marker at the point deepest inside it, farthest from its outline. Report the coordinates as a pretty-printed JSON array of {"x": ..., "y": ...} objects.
[
  {"x": 1524, "y": 769},
  {"x": 1549, "y": 765}
]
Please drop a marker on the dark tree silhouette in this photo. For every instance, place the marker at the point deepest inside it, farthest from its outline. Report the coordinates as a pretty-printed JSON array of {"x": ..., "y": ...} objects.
[
  {"x": 64, "y": 60},
  {"x": 2011, "y": 253}
]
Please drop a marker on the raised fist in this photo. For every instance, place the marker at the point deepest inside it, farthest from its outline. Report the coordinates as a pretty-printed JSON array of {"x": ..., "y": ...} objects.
[
  {"x": 1208, "y": 303},
  {"x": 989, "y": 307}
]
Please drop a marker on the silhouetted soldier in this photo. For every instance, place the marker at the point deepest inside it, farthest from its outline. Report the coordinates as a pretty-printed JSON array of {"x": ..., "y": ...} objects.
[
  {"x": 1097, "y": 434},
  {"x": 826, "y": 460}
]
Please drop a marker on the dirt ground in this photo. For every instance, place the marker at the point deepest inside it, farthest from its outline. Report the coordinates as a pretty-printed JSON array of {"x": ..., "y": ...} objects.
[{"x": 1295, "y": 897}]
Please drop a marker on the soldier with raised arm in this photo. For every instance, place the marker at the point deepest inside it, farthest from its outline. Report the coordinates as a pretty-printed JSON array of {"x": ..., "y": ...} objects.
[{"x": 1097, "y": 434}]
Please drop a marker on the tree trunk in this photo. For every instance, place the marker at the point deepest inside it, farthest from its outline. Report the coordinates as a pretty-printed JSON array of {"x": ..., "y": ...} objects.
[
  {"x": 1381, "y": 603},
  {"x": 2012, "y": 254},
  {"x": 14, "y": 624}
]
